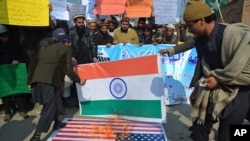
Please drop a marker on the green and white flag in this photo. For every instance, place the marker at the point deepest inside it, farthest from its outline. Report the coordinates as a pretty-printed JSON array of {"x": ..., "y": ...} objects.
[{"x": 217, "y": 6}]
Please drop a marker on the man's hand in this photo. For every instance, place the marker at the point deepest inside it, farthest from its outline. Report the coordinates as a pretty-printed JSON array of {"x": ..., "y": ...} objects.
[
  {"x": 74, "y": 62},
  {"x": 155, "y": 43},
  {"x": 30, "y": 87},
  {"x": 15, "y": 62},
  {"x": 211, "y": 82},
  {"x": 126, "y": 42},
  {"x": 163, "y": 51},
  {"x": 82, "y": 82},
  {"x": 95, "y": 60},
  {"x": 193, "y": 95},
  {"x": 50, "y": 8},
  {"x": 108, "y": 45},
  {"x": 115, "y": 42}
]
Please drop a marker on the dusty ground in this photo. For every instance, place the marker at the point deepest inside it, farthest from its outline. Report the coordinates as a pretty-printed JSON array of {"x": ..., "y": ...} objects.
[{"x": 19, "y": 129}]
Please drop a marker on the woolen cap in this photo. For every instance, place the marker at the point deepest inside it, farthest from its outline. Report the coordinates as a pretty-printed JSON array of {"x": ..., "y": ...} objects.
[
  {"x": 171, "y": 26},
  {"x": 103, "y": 24},
  {"x": 78, "y": 16},
  {"x": 111, "y": 21},
  {"x": 195, "y": 10},
  {"x": 92, "y": 21}
]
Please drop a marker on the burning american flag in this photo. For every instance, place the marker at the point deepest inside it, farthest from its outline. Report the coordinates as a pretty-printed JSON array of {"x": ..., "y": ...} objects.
[{"x": 100, "y": 129}]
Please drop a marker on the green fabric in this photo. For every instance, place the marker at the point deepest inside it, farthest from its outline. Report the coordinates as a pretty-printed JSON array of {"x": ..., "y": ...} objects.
[
  {"x": 13, "y": 79},
  {"x": 212, "y": 4},
  {"x": 138, "y": 108},
  {"x": 236, "y": 72}
]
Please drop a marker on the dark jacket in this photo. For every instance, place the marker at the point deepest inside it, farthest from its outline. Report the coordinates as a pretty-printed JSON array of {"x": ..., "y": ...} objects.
[
  {"x": 100, "y": 39},
  {"x": 51, "y": 65},
  {"x": 10, "y": 51},
  {"x": 146, "y": 40},
  {"x": 86, "y": 45}
]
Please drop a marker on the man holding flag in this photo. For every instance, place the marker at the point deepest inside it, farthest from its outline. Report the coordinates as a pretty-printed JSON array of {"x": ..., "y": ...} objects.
[{"x": 46, "y": 78}]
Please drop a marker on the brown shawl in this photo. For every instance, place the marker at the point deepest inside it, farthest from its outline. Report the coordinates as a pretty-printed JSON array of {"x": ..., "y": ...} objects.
[{"x": 236, "y": 72}]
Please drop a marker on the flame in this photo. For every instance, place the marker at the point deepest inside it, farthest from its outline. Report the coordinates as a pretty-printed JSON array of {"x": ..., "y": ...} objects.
[{"x": 107, "y": 130}]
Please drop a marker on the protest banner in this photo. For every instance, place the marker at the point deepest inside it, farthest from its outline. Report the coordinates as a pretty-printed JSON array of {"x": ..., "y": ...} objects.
[
  {"x": 24, "y": 12},
  {"x": 90, "y": 10},
  {"x": 166, "y": 11},
  {"x": 139, "y": 8},
  {"x": 115, "y": 87},
  {"x": 109, "y": 7},
  {"x": 13, "y": 79},
  {"x": 59, "y": 10}
]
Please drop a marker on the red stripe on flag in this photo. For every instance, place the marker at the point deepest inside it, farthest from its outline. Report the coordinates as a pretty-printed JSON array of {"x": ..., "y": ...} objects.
[
  {"x": 126, "y": 67},
  {"x": 85, "y": 136},
  {"x": 68, "y": 130}
]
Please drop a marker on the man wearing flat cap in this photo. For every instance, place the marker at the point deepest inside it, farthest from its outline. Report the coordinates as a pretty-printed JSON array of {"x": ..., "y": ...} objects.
[
  {"x": 170, "y": 37},
  {"x": 223, "y": 84},
  {"x": 102, "y": 37},
  {"x": 92, "y": 25}
]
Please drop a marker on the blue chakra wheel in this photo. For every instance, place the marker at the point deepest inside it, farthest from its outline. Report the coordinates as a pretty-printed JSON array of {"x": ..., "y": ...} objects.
[{"x": 118, "y": 88}]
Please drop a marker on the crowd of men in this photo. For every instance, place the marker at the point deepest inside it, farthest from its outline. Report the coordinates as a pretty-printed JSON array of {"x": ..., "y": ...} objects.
[
  {"x": 35, "y": 46},
  {"x": 85, "y": 37}
]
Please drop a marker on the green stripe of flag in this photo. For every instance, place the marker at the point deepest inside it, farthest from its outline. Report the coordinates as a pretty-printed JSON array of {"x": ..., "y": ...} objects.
[{"x": 137, "y": 108}]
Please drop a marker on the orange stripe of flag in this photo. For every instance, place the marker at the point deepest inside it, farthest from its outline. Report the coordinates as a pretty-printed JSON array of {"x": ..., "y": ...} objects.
[{"x": 127, "y": 67}]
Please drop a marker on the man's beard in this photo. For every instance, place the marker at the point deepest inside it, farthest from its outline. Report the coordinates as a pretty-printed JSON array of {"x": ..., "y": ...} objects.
[
  {"x": 124, "y": 30},
  {"x": 80, "y": 30},
  {"x": 140, "y": 27},
  {"x": 111, "y": 30},
  {"x": 104, "y": 34}
]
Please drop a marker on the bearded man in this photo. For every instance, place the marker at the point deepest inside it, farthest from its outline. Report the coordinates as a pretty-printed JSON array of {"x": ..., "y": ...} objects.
[
  {"x": 83, "y": 48},
  {"x": 125, "y": 34},
  {"x": 102, "y": 37}
]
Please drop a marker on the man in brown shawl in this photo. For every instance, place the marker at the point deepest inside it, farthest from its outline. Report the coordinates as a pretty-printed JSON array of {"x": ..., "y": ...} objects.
[{"x": 223, "y": 91}]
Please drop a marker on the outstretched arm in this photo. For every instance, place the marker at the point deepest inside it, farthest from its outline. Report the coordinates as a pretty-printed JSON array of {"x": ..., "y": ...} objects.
[{"x": 189, "y": 44}]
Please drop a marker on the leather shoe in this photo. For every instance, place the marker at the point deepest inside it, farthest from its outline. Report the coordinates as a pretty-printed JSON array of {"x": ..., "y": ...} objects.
[
  {"x": 58, "y": 125},
  {"x": 36, "y": 137}
]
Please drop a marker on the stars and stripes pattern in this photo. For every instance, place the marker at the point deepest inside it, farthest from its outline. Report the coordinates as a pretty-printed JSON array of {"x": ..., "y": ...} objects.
[{"x": 100, "y": 129}]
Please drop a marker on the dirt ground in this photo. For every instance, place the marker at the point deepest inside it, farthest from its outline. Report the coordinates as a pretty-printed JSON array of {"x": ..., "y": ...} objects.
[{"x": 177, "y": 126}]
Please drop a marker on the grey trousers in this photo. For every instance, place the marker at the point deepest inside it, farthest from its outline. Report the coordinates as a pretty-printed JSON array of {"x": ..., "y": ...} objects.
[{"x": 50, "y": 97}]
